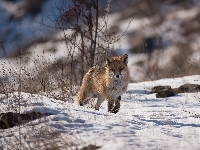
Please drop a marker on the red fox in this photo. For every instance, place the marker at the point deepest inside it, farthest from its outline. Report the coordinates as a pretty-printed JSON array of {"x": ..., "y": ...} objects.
[{"x": 108, "y": 82}]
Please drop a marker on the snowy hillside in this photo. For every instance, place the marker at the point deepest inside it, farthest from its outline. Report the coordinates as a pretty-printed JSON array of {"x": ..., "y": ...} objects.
[
  {"x": 161, "y": 37},
  {"x": 143, "y": 122},
  {"x": 22, "y": 19}
]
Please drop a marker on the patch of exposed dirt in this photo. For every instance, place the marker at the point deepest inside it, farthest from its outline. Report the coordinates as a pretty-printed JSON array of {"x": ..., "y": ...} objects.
[{"x": 10, "y": 119}]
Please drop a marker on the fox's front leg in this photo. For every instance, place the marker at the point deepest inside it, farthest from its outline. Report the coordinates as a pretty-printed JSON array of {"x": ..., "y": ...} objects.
[
  {"x": 116, "y": 108},
  {"x": 110, "y": 105},
  {"x": 99, "y": 102}
]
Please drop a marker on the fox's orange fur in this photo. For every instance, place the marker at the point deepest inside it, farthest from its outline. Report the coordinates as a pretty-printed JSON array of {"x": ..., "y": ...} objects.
[{"x": 108, "y": 82}]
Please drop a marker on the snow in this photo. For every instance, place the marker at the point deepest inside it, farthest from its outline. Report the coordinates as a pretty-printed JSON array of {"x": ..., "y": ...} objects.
[
  {"x": 137, "y": 72},
  {"x": 185, "y": 14},
  {"x": 31, "y": 26},
  {"x": 143, "y": 122},
  {"x": 164, "y": 58}
]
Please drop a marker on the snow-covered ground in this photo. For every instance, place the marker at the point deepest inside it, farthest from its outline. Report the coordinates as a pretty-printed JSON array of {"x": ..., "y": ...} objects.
[{"x": 143, "y": 122}]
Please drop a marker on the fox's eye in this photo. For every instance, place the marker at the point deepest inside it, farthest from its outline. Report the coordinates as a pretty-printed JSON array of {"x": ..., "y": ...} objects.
[{"x": 121, "y": 69}]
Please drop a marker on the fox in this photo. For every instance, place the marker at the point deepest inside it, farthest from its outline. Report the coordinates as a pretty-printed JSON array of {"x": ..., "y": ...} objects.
[{"x": 108, "y": 82}]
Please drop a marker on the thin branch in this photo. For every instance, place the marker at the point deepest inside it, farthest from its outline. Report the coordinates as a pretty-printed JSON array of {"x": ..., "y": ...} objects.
[{"x": 97, "y": 22}]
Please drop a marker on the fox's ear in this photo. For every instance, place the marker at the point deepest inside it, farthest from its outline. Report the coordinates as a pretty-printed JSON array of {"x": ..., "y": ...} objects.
[
  {"x": 108, "y": 60},
  {"x": 124, "y": 58}
]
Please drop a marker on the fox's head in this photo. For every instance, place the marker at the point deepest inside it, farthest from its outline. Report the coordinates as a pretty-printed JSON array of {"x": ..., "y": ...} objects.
[{"x": 117, "y": 66}]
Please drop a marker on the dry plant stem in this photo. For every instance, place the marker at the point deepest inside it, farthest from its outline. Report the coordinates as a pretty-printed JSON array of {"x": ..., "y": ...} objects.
[
  {"x": 20, "y": 79},
  {"x": 95, "y": 36}
]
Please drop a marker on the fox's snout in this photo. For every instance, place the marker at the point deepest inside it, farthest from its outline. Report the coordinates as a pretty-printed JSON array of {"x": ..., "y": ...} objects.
[{"x": 115, "y": 74}]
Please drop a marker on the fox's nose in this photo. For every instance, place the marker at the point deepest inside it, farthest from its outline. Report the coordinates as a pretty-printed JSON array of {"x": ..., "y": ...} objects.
[{"x": 117, "y": 76}]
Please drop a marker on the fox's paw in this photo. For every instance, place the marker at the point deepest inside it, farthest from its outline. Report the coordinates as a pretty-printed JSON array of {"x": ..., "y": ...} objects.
[
  {"x": 115, "y": 110},
  {"x": 77, "y": 102},
  {"x": 81, "y": 104}
]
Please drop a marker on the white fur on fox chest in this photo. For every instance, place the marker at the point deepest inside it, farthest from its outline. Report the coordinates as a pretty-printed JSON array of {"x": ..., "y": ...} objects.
[{"x": 118, "y": 88}]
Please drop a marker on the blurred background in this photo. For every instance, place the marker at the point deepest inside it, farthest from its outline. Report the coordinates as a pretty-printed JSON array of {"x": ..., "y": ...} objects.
[{"x": 44, "y": 49}]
